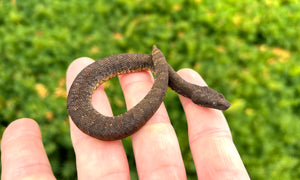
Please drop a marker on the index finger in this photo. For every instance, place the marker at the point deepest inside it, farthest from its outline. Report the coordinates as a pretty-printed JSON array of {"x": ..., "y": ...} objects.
[
  {"x": 213, "y": 150},
  {"x": 96, "y": 159}
]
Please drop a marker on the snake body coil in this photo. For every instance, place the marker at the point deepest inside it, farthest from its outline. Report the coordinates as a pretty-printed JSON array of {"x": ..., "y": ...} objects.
[{"x": 103, "y": 127}]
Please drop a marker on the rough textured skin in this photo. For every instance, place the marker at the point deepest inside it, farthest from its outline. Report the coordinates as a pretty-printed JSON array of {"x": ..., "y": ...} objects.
[{"x": 103, "y": 127}]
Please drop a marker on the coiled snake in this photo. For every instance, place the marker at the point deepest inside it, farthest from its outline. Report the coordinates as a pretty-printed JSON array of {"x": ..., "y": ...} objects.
[{"x": 103, "y": 127}]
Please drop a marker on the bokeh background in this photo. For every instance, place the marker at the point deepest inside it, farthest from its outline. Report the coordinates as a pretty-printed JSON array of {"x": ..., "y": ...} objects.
[{"x": 248, "y": 50}]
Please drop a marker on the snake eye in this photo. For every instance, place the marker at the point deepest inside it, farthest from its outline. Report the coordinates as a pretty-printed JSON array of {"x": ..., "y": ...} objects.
[{"x": 221, "y": 96}]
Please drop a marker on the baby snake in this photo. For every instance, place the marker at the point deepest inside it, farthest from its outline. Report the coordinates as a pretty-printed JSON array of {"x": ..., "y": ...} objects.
[{"x": 102, "y": 127}]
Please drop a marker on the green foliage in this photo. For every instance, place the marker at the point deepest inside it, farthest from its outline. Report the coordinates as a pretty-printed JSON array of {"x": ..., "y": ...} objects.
[{"x": 248, "y": 50}]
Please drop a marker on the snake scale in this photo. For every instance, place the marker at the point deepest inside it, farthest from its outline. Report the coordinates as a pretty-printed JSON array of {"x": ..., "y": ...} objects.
[{"x": 93, "y": 123}]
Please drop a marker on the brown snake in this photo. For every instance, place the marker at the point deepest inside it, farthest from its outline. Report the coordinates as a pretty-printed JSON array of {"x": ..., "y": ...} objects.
[{"x": 103, "y": 127}]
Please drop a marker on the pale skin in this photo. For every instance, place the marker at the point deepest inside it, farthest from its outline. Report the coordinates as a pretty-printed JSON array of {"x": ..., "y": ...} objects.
[{"x": 155, "y": 145}]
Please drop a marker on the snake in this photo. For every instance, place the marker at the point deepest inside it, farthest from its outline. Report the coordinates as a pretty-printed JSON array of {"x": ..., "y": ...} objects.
[{"x": 109, "y": 128}]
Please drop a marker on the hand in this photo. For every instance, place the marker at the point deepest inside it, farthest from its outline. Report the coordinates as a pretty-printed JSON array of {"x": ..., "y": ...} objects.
[{"x": 155, "y": 145}]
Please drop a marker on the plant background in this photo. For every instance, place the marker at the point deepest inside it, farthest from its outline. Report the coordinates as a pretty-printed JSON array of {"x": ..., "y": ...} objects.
[{"x": 248, "y": 50}]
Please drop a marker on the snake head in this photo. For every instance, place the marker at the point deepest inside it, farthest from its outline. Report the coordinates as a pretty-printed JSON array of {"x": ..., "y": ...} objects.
[{"x": 207, "y": 97}]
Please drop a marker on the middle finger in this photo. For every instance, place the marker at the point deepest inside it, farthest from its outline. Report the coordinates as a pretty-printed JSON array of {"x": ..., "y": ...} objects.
[{"x": 155, "y": 145}]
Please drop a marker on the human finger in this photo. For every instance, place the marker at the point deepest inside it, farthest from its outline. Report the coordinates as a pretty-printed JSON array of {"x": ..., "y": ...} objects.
[
  {"x": 22, "y": 152},
  {"x": 213, "y": 150},
  {"x": 96, "y": 159},
  {"x": 155, "y": 145}
]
